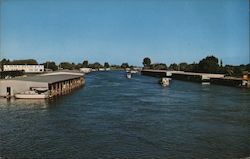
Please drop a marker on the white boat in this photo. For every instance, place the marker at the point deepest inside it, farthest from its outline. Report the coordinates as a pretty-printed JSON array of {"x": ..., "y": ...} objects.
[
  {"x": 31, "y": 95},
  {"x": 101, "y": 69},
  {"x": 134, "y": 71},
  {"x": 107, "y": 69},
  {"x": 165, "y": 81},
  {"x": 129, "y": 75},
  {"x": 205, "y": 83}
]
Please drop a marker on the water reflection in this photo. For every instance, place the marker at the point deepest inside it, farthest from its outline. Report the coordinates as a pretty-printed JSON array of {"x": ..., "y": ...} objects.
[{"x": 24, "y": 103}]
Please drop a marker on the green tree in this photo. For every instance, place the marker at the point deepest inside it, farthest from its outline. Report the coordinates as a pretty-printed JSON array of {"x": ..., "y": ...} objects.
[
  {"x": 158, "y": 66},
  {"x": 85, "y": 63},
  {"x": 146, "y": 62},
  {"x": 95, "y": 65},
  {"x": 106, "y": 65},
  {"x": 50, "y": 65},
  {"x": 24, "y": 62},
  {"x": 192, "y": 67},
  {"x": 124, "y": 65},
  {"x": 4, "y": 62},
  {"x": 78, "y": 66},
  {"x": 174, "y": 66},
  {"x": 221, "y": 63},
  {"x": 248, "y": 67},
  {"x": 183, "y": 66},
  {"x": 238, "y": 71},
  {"x": 208, "y": 65},
  {"x": 67, "y": 65}
]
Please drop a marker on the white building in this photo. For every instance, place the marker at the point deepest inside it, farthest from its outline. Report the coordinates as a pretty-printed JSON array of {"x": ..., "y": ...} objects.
[{"x": 25, "y": 68}]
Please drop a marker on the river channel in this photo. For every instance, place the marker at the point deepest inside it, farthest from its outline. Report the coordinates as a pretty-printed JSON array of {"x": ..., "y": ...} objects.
[{"x": 115, "y": 117}]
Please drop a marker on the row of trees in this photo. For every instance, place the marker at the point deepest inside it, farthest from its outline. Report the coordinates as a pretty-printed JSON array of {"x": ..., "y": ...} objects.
[
  {"x": 210, "y": 64},
  {"x": 65, "y": 65},
  {"x": 16, "y": 62}
]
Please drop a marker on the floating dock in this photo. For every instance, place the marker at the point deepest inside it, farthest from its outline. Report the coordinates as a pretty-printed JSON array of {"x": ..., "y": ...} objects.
[
  {"x": 57, "y": 83},
  {"x": 228, "y": 81}
]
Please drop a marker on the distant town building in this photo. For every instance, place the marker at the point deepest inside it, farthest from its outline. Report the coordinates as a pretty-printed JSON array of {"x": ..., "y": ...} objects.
[{"x": 25, "y": 68}]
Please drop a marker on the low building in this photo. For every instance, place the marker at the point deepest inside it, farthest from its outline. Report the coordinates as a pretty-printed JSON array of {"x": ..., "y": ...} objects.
[
  {"x": 56, "y": 83},
  {"x": 25, "y": 68},
  {"x": 85, "y": 70}
]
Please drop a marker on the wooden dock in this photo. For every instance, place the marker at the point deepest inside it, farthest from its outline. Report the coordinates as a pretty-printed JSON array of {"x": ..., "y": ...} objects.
[{"x": 55, "y": 83}]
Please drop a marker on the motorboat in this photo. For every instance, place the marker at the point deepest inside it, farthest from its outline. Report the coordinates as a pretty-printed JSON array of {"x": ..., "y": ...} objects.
[
  {"x": 134, "y": 71},
  {"x": 129, "y": 75},
  {"x": 165, "y": 81},
  {"x": 32, "y": 95}
]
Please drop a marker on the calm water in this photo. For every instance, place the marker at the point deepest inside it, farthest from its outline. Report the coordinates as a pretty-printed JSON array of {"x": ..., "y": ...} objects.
[{"x": 114, "y": 117}]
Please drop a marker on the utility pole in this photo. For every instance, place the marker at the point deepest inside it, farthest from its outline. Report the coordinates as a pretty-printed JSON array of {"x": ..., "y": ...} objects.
[{"x": 1, "y": 30}]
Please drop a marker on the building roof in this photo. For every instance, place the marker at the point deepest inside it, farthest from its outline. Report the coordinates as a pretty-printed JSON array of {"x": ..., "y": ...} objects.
[
  {"x": 48, "y": 79},
  {"x": 65, "y": 72}
]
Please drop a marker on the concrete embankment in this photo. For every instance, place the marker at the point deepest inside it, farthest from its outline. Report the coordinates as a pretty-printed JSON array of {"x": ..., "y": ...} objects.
[
  {"x": 181, "y": 75},
  {"x": 154, "y": 73},
  {"x": 236, "y": 82},
  {"x": 198, "y": 77}
]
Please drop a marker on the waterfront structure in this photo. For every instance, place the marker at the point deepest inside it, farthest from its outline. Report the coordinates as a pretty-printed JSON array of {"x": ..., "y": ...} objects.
[
  {"x": 85, "y": 70},
  {"x": 195, "y": 77},
  {"x": 229, "y": 81},
  {"x": 56, "y": 83},
  {"x": 25, "y": 68},
  {"x": 191, "y": 76},
  {"x": 204, "y": 78}
]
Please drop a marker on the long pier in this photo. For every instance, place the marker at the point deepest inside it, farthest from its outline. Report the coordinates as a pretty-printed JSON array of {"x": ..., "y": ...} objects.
[{"x": 218, "y": 79}]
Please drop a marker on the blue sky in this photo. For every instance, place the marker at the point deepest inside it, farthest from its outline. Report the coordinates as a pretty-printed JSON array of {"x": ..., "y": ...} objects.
[{"x": 119, "y": 31}]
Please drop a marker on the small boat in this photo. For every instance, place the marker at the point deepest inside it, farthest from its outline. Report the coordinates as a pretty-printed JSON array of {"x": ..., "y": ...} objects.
[
  {"x": 205, "y": 82},
  {"x": 134, "y": 71},
  {"x": 101, "y": 69},
  {"x": 129, "y": 75},
  {"x": 165, "y": 81},
  {"x": 31, "y": 95},
  {"x": 127, "y": 70}
]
